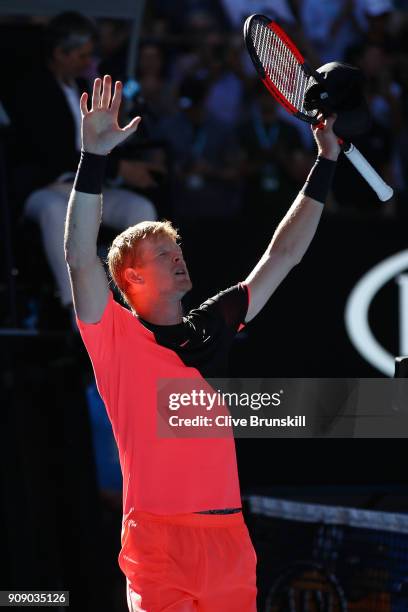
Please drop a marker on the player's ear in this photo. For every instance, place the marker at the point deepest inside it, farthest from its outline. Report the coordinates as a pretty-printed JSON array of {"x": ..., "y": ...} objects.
[{"x": 133, "y": 277}]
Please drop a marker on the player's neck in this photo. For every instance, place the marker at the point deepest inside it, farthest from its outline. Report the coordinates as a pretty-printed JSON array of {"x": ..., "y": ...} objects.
[{"x": 163, "y": 312}]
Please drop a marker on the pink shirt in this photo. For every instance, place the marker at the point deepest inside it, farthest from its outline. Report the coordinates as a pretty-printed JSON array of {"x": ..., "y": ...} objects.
[{"x": 160, "y": 475}]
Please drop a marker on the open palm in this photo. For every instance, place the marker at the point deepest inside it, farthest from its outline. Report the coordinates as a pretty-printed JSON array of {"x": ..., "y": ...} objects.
[{"x": 100, "y": 129}]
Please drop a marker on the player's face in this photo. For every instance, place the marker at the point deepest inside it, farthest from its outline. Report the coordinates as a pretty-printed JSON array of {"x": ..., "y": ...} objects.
[{"x": 163, "y": 268}]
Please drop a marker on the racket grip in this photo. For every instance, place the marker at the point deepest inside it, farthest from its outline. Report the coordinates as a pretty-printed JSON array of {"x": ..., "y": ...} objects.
[{"x": 384, "y": 191}]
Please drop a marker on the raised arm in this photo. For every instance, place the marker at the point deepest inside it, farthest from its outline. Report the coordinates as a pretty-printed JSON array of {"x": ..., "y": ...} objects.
[
  {"x": 296, "y": 230},
  {"x": 100, "y": 134}
]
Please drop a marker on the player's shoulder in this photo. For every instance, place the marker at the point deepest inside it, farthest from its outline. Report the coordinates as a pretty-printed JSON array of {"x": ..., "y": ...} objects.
[
  {"x": 221, "y": 301},
  {"x": 118, "y": 309}
]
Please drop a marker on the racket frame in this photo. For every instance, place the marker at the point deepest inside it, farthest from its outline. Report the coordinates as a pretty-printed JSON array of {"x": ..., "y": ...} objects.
[{"x": 307, "y": 70}]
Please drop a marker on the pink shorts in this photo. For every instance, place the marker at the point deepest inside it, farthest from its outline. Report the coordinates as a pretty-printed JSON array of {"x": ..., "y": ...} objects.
[{"x": 188, "y": 562}]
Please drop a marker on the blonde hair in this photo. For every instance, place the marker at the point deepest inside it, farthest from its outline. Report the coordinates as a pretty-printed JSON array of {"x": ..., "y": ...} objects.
[{"x": 123, "y": 252}]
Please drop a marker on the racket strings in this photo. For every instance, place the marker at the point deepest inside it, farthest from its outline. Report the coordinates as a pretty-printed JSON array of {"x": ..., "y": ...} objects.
[{"x": 281, "y": 66}]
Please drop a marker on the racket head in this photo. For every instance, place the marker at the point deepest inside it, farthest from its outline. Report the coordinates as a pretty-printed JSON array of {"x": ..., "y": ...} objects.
[{"x": 280, "y": 65}]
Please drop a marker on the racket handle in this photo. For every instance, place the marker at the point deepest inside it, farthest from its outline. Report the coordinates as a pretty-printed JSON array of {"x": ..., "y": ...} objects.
[{"x": 384, "y": 191}]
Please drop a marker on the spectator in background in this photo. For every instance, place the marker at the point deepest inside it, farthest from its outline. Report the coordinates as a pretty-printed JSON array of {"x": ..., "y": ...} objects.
[
  {"x": 382, "y": 90},
  {"x": 158, "y": 95},
  {"x": 374, "y": 18},
  {"x": 47, "y": 125},
  {"x": 185, "y": 15},
  {"x": 151, "y": 76},
  {"x": 330, "y": 26},
  {"x": 112, "y": 48},
  {"x": 225, "y": 87},
  {"x": 214, "y": 61},
  {"x": 204, "y": 155},
  {"x": 238, "y": 10},
  {"x": 274, "y": 163}
]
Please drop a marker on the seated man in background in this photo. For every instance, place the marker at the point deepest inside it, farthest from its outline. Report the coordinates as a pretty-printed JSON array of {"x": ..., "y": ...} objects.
[{"x": 48, "y": 141}]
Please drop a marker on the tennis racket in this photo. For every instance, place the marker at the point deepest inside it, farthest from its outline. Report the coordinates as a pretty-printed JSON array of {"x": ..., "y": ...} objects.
[{"x": 287, "y": 76}]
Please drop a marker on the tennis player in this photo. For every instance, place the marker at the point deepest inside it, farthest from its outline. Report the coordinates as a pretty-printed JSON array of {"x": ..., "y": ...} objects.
[{"x": 185, "y": 545}]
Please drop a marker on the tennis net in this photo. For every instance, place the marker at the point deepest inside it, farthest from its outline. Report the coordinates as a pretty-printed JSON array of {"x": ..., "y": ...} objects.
[{"x": 320, "y": 558}]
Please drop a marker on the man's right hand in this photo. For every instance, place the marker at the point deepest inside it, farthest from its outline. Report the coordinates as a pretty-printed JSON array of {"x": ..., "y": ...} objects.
[
  {"x": 100, "y": 129},
  {"x": 327, "y": 142}
]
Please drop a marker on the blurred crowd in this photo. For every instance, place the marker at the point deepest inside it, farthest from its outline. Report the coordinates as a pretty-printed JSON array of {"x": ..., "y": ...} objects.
[{"x": 213, "y": 144}]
